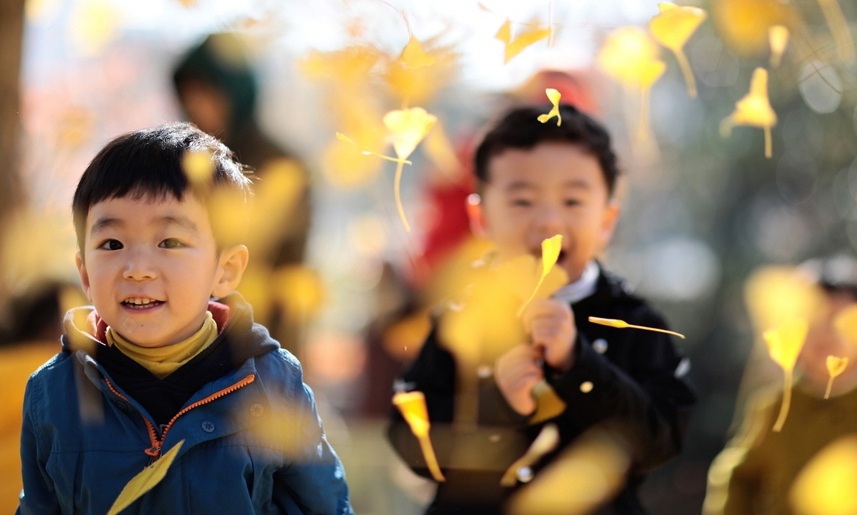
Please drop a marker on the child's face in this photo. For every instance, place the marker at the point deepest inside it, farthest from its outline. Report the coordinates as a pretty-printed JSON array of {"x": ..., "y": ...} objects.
[
  {"x": 555, "y": 188},
  {"x": 150, "y": 266}
]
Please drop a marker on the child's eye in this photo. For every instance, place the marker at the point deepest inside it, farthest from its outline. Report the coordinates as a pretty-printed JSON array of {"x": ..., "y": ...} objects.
[
  {"x": 572, "y": 202},
  {"x": 171, "y": 243},
  {"x": 110, "y": 245},
  {"x": 521, "y": 202}
]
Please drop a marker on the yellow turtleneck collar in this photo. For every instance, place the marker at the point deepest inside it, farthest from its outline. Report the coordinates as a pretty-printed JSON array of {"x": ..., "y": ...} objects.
[{"x": 163, "y": 361}]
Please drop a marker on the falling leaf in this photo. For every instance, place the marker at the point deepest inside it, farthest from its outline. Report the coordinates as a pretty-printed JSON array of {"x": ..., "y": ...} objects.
[
  {"x": 743, "y": 25},
  {"x": 412, "y": 406},
  {"x": 554, "y": 96},
  {"x": 784, "y": 345},
  {"x": 551, "y": 247},
  {"x": 598, "y": 464},
  {"x": 414, "y": 56},
  {"x": 300, "y": 289},
  {"x": 198, "y": 167},
  {"x": 545, "y": 442},
  {"x": 825, "y": 485},
  {"x": 835, "y": 367},
  {"x": 94, "y": 25},
  {"x": 407, "y": 128},
  {"x": 672, "y": 27},
  {"x": 145, "y": 480},
  {"x": 548, "y": 403},
  {"x": 533, "y": 33},
  {"x": 778, "y": 37},
  {"x": 621, "y": 324},
  {"x": 366, "y": 152},
  {"x": 416, "y": 76},
  {"x": 775, "y": 295},
  {"x": 754, "y": 110},
  {"x": 632, "y": 57}
]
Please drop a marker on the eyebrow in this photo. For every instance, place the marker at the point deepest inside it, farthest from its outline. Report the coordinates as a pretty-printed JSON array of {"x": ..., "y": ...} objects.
[
  {"x": 525, "y": 185},
  {"x": 107, "y": 222}
]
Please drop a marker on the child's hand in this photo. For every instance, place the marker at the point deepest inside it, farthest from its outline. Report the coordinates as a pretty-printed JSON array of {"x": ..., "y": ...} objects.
[
  {"x": 550, "y": 324},
  {"x": 515, "y": 373}
]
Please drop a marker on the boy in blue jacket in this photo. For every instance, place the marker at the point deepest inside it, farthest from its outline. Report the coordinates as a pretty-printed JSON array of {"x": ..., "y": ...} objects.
[
  {"x": 167, "y": 371},
  {"x": 485, "y": 398}
]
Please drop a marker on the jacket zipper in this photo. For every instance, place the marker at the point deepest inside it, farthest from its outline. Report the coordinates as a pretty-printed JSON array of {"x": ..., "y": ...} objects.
[{"x": 155, "y": 450}]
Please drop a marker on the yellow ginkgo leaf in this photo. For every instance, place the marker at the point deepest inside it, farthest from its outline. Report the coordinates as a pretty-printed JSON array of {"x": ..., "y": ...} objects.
[
  {"x": 785, "y": 342},
  {"x": 629, "y": 55},
  {"x": 412, "y": 406},
  {"x": 94, "y": 25},
  {"x": 632, "y": 57},
  {"x": 835, "y": 367},
  {"x": 778, "y": 37},
  {"x": 784, "y": 345},
  {"x": 147, "y": 479},
  {"x": 754, "y": 110},
  {"x": 533, "y": 33},
  {"x": 672, "y": 27},
  {"x": 414, "y": 56},
  {"x": 551, "y": 247},
  {"x": 198, "y": 167},
  {"x": 621, "y": 324},
  {"x": 776, "y": 294},
  {"x": 366, "y": 152},
  {"x": 407, "y": 128},
  {"x": 825, "y": 485},
  {"x": 554, "y": 96},
  {"x": 504, "y": 33},
  {"x": 300, "y": 288}
]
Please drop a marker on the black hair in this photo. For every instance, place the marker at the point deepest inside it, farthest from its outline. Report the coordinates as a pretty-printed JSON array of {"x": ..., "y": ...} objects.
[
  {"x": 148, "y": 163},
  {"x": 519, "y": 128}
]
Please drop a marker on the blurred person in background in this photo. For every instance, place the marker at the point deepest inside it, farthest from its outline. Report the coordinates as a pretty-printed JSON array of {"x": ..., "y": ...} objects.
[
  {"x": 483, "y": 385},
  {"x": 405, "y": 297},
  {"x": 754, "y": 473},
  {"x": 217, "y": 88}
]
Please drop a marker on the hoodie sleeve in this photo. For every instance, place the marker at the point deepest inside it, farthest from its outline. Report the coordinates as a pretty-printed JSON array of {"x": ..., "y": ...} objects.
[
  {"x": 38, "y": 496},
  {"x": 315, "y": 477}
]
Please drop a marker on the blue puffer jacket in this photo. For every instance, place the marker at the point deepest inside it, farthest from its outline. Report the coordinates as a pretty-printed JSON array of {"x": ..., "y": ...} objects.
[{"x": 252, "y": 440}]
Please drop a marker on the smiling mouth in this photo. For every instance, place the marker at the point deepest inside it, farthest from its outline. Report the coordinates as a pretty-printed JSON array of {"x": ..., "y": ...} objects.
[{"x": 141, "y": 303}]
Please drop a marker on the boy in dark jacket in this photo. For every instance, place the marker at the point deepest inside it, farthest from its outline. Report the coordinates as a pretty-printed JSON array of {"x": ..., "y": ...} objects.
[
  {"x": 487, "y": 399},
  {"x": 166, "y": 396}
]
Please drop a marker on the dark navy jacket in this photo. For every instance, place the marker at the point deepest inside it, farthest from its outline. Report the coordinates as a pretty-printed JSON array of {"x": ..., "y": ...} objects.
[
  {"x": 629, "y": 383},
  {"x": 252, "y": 438}
]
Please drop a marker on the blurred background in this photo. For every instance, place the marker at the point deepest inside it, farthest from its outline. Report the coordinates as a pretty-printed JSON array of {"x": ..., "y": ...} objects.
[{"x": 703, "y": 207}]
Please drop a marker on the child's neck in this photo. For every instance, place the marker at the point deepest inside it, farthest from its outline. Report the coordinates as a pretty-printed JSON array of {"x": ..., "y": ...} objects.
[
  {"x": 162, "y": 361},
  {"x": 583, "y": 287}
]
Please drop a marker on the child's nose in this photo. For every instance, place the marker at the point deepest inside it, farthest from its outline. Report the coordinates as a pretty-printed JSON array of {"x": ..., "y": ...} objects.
[
  {"x": 549, "y": 220},
  {"x": 139, "y": 266}
]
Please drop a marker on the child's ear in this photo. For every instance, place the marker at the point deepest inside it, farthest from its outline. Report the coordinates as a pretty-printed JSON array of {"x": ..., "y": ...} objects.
[
  {"x": 84, "y": 275},
  {"x": 232, "y": 262},
  {"x": 473, "y": 204},
  {"x": 608, "y": 222}
]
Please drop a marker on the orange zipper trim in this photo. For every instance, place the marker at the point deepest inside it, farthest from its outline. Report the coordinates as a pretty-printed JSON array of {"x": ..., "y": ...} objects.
[{"x": 155, "y": 450}]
